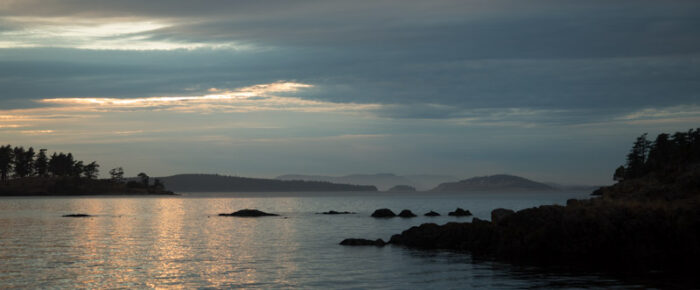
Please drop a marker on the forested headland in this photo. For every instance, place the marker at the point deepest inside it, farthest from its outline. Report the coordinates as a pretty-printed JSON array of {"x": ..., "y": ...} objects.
[{"x": 28, "y": 172}]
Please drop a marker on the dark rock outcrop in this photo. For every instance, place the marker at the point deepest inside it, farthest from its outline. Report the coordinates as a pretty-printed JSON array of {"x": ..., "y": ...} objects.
[
  {"x": 431, "y": 213},
  {"x": 406, "y": 214},
  {"x": 497, "y": 215},
  {"x": 76, "y": 215},
  {"x": 383, "y": 213},
  {"x": 460, "y": 212},
  {"x": 594, "y": 233},
  {"x": 363, "y": 242},
  {"x": 248, "y": 213},
  {"x": 332, "y": 212}
]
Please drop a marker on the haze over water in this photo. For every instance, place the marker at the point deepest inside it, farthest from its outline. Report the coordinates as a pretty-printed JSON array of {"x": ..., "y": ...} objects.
[{"x": 138, "y": 242}]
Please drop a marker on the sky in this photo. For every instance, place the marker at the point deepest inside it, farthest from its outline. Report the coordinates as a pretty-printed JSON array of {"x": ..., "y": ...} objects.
[{"x": 550, "y": 90}]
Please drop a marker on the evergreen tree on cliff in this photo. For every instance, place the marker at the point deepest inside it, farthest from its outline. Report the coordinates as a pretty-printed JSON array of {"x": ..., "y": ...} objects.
[
  {"x": 636, "y": 159},
  {"x": 666, "y": 156}
]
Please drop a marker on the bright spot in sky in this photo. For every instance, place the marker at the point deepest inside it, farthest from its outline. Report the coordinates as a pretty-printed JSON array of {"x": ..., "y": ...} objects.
[
  {"x": 88, "y": 34},
  {"x": 256, "y": 98}
]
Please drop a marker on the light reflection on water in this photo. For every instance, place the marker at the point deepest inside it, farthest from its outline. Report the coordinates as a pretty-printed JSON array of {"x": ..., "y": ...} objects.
[{"x": 138, "y": 242}]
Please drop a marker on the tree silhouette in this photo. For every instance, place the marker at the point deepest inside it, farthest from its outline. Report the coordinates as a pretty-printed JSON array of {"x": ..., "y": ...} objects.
[
  {"x": 23, "y": 162},
  {"x": 665, "y": 157},
  {"x": 77, "y": 169},
  {"x": 157, "y": 184},
  {"x": 62, "y": 164},
  {"x": 6, "y": 160},
  {"x": 91, "y": 170},
  {"x": 41, "y": 164},
  {"x": 144, "y": 178},
  {"x": 636, "y": 159},
  {"x": 619, "y": 174},
  {"x": 659, "y": 153},
  {"x": 117, "y": 174}
]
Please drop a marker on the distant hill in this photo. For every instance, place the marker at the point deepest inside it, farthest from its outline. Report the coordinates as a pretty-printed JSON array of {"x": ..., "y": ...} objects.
[
  {"x": 500, "y": 182},
  {"x": 221, "y": 183},
  {"x": 382, "y": 181}
]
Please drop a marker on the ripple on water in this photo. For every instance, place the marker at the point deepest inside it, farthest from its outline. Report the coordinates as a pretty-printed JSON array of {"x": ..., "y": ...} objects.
[{"x": 179, "y": 241}]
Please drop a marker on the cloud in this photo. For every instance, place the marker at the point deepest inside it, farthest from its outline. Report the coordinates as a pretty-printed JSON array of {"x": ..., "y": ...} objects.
[
  {"x": 254, "y": 98},
  {"x": 442, "y": 60},
  {"x": 676, "y": 114}
]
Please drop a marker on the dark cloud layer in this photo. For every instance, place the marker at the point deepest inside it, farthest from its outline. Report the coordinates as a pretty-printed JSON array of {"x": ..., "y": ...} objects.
[{"x": 432, "y": 60}]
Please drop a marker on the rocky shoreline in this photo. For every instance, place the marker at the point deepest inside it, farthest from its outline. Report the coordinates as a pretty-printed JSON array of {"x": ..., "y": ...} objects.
[
  {"x": 648, "y": 221},
  {"x": 588, "y": 233}
]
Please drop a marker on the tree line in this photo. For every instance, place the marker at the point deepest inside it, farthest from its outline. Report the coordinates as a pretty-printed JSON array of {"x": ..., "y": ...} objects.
[
  {"x": 18, "y": 162},
  {"x": 667, "y": 155}
]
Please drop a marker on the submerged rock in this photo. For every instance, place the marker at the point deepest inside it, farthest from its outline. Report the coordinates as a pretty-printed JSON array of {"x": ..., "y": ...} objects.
[
  {"x": 363, "y": 242},
  {"x": 431, "y": 213},
  {"x": 383, "y": 213},
  {"x": 406, "y": 214},
  {"x": 498, "y": 214},
  {"x": 76, "y": 215},
  {"x": 248, "y": 213},
  {"x": 336, "y": 212},
  {"x": 460, "y": 212}
]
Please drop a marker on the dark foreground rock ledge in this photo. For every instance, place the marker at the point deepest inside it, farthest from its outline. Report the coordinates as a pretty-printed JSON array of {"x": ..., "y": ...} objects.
[
  {"x": 596, "y": 233},
  {"x": 248, "y": 213}
]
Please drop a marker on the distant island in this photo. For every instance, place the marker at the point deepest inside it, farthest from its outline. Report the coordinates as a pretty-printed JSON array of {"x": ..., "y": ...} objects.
[
  {"x": 24, "y": 172},
  {"x": 383, "y": 181},
  {"x": 499, "y": 182},
  {"x": 222, "y": 183}
]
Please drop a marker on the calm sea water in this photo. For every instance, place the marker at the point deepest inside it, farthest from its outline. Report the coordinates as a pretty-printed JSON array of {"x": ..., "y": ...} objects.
[{"x": 143, "y": 242}]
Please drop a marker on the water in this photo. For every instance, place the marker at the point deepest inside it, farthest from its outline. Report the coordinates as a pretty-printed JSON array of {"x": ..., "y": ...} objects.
[{"x": 139, "y": 242}]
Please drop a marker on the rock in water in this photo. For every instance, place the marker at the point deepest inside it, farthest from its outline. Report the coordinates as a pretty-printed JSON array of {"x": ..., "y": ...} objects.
[
  {"x": 383, "y": 213},
  {"x": 77, "y": 215},
  {"x": 363, "y": 242},
  {"x": 248, "y": 213},
  {"x": 460, "y": 212},
  {"x": 498, "y": 214},
  {"x": 431, "y": 213},
  {"x": 406, "y": 214}
]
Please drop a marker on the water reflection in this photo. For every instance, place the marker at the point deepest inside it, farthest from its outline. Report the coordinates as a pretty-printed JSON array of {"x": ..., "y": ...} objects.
[{"x": 181, "y": 242}]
